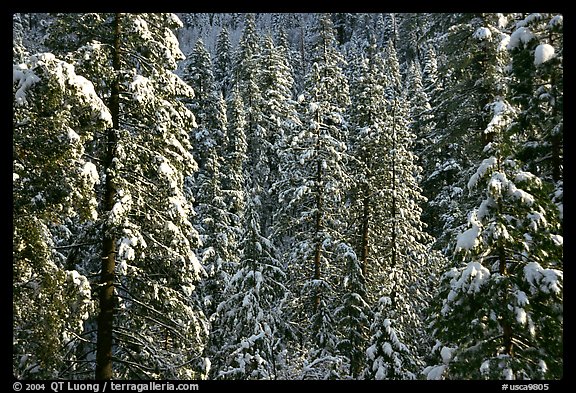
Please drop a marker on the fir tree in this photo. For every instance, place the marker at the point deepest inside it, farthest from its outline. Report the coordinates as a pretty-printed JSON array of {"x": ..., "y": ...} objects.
[
  {"x": 250, "y": 320},
  {"x": 55, "y": 113},
  {"x": 312, "y": 196},
  {"x": 223, "y": 62},
  {"x": 407, "y": 264},
  {"x": 148, "y": 321},
  {"x": 278, "y": 120},
  {"x": 501, "y": 314},
  {"x": 354, "y": 314}
]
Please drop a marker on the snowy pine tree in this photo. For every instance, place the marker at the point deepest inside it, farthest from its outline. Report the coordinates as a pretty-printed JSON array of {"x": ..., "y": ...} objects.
[
  {"x": 278, "y": 120},
  {"x": 55, "y": 114},
  {"x": 311, "y": 195},
  {"x": 536, "y": 90},
  {"x": 407, "y": 266},
  {"x": 148, "y": 321},
  {"x": 354, "y": 314},
  {"x": 305, "y": 168},
  {"x": 250, "y": 319},
  {"x": 501, "y": 315},
  {"x": 223, "y": 62}
]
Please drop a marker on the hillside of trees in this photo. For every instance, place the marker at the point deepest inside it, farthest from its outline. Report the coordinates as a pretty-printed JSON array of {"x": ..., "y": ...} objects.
[{"x": 294, "y": 196}]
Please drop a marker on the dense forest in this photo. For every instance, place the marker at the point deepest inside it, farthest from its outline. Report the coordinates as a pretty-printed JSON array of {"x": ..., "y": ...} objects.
[{"x": 291, "y": 196}]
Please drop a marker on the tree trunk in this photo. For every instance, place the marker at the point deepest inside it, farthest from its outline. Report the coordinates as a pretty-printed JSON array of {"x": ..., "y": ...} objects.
[
  {"x": 365, "y": 228},
  {"x": 317, "y": 229},
  {"x": 106, "y": 296},
  {"x": 506, "y": 326}
]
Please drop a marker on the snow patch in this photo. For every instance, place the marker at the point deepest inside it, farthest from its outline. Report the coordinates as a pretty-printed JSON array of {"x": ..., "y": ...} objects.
[
  {"x": 472, "y": 278},
  {"x": 544, "y": 280},
  {"x": 484, "y": 167},
  {"x": 558, "y": 20},
  {"x": 501, "y": 110},
  {"x": 558, "y": 240},
  {"x": 522, "y": 299},
  {"x": 543, "y": 53},
  {"x": 520, "y": 36},
  {"x": 521, "y": 316},
  {"x": 25, "y": 79},
  {"x": 434, "y": 373},
  {"x": 483, "y": 33},
  {"x": 469, "y": 239},
  {"x": 90, "y": 173},
  {"x": 446, "y": 354}
]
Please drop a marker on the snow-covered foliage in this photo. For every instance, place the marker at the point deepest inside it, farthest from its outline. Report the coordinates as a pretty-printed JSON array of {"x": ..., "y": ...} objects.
[
  {"x": 142, "y": 164},
  {"x": 56, "y": 112},
  {"x": 249, "y": 321},
  {"x": 514, "y": 302},
  {"x": 268, "y": 195},
  {"x": 543, "y": 53}
]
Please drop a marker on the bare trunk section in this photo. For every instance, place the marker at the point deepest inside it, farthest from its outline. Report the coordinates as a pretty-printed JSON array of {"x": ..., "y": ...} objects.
[
  {"x": 317, "y": 230},
  {"x": 507, "y": 333},
  {"x": 106, "y": 296},
  {"x": 364, "y": 247}
]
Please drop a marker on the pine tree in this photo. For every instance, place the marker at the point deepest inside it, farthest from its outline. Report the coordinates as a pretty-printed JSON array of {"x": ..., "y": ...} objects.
[
  {"x": 402, "y": 265},
  {"x": 223, "y": 62},
  {"x": 422, "y": 124},
  {"x": 536, "y": 90},
  {"x": 246, "y": 70},
  {"x": 311, "y": 196},
  {"x": 55, "y": 113},
  {"x": 431, "y": 81},
  {"x": 278, "y": 120},
  {"x": 250, "y": 318},
  {"x": 476, "y": 54},
  {"x": 501, "y": 314},
  {"x": 354, "y": 314},
  {"x": 148, "y": 321},
  {"x": 368, "y": 121},
  {"x": 219, "y": 207},
  {"x": 235, "y": 156}
]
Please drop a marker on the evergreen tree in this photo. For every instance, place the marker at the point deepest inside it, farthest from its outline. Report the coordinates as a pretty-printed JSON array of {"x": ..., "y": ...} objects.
[
  {"x": 278, "y": 120},
  {"x": 476, "y": 55},
  {"x": 501, "y": 314},
  {"x": 223, "y": 62},
  {"x": 353, "y": 315},
  {"x": 148, "y": 324},
  {"x": 217, "y": 208},
  {"x": 246, "y": 70},
  {"x": 368, "y": 122},
  {"x": 311, "y": 197},
  {"x": 422, "y": 124},
  {"x": 408, "y": 265},
  {"x": 250, "y": 318},
  {"x": 431, "y": 81},
  {"x": 55, "y": 113},
  {"x": 387, "y": 356},
  {"x": 536, "y": 90},
  {"x": 235, "y": 156}
]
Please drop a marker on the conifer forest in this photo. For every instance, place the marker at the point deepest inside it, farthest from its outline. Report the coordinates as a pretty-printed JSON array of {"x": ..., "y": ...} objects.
[{"x": 287, "y": 196}]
